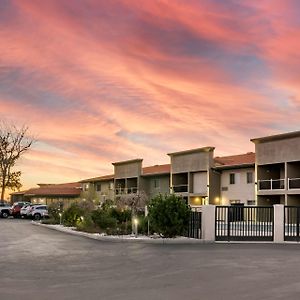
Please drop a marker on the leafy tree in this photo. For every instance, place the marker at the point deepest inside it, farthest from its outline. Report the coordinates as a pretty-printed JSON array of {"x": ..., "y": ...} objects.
[
  {"x": 14, "y": 142},
  {"x": 169, "y": 215}
]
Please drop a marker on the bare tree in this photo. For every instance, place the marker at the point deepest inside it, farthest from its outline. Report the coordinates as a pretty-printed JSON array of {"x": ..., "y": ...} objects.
[
  {"x": 14, "y": 142},
  {"x": 134, "y": 201}
]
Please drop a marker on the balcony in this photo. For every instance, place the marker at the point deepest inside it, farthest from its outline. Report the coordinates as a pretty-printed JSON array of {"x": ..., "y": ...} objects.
[
  {"x": 271, "y": 184},
  {"x": 182, "y": 188},
  {"x": 294, "y": 183}
]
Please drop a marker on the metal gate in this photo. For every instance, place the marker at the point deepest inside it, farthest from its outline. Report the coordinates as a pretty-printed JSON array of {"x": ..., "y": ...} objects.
[
  {"x": 244, "y": 223},
  {"x": 291, "y": 223},
  {"x": 194, "y": 228}
]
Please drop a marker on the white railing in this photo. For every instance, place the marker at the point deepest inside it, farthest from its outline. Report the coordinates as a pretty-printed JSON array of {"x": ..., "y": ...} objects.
[
  {"x": 271, "y": 184},
  {"x": 293, "y": 183}
]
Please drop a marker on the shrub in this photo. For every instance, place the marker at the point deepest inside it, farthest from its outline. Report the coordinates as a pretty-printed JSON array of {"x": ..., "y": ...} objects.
[
  {"x": 169, "y": 215},
  {"x": 73, "y": 214},
  {"x": 86, "y": 224},
  {"x": 103, "y": 219},
  {"x": 121, "y": 215}
]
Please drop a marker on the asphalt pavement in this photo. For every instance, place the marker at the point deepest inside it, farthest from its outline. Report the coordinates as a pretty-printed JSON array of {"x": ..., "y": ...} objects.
[{"x": 38, "y": 263}]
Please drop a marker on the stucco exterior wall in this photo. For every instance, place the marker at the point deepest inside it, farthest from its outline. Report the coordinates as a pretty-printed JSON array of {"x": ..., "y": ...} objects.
[
  {"x": 163, "y": 185},
  {"x": 278, "y": 151},
  {"x": 128, "y": 170},
  {"x": 191, "y": 162},
  {"x": 241, "y": 190}
]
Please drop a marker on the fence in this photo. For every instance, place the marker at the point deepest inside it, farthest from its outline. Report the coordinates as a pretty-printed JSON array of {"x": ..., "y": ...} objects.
[
  {"x": 244, "y": 223},
  {"x": 194, "y": 228},
  {"x": 291, "y": 223}
]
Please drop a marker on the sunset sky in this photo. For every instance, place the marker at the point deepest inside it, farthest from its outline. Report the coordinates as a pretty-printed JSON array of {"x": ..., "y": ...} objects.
[{"x": 99, "y": 81}]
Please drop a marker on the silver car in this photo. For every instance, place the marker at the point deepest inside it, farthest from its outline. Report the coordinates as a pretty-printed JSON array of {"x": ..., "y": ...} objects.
[{"x": 39, "y": 211}]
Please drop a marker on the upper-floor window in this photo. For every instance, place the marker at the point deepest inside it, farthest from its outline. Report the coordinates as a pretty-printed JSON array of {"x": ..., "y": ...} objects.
[
  {"x": 156, "y": 183},
  {"x": 231, "y": 178},
  {"x": 249, "y": 177}
]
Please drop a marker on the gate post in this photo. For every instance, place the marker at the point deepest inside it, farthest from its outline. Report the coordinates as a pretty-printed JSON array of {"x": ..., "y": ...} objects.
[
  {"x": 208, "y": 223},
  {"x": 278, "y": 223}
]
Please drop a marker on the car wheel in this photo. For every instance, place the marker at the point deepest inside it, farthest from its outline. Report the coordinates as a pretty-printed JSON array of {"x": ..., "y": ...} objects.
[
  {"x": 4, "y": 214},
  {"x": 37, "y": 216}
]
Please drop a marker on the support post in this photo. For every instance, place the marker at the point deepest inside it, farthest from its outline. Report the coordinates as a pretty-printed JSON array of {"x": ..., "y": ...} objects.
[
  {"x": 278, "y": 223},
  {"x": 208, "y": 223}
]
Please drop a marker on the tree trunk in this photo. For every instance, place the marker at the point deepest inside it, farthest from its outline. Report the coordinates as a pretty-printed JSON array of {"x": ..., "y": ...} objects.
[{"x": 3, "y": 187}]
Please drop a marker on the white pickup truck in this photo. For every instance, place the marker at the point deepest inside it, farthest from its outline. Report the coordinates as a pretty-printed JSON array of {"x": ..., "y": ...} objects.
[{"x": 4, "y": 210}]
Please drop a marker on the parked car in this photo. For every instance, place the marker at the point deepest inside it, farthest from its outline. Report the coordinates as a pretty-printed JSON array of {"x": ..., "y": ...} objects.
[
  {"x": 39, "y": 211},
  {"x": 4, "y": 210},
  {"x": 16, "y": 209},
  {"x": 26, "y": 209}
]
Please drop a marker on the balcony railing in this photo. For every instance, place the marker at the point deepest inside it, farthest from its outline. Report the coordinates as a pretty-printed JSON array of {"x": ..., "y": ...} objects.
[
  {"x": 294, "y": 183},
  {"x": 271, "y": 184},
  {"x": 131, "y": 190},
  {"x": 182, "y": 188}
]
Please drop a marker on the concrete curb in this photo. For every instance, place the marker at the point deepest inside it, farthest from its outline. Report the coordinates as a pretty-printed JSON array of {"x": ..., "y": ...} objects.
[{"x": 121, "y": 239}]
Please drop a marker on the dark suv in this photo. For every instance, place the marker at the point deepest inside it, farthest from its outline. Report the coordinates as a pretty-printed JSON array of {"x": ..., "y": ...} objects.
[{"x": 16, "y": 209}]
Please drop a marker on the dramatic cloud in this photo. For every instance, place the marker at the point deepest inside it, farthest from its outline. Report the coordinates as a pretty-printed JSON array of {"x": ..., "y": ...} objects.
[{"x": 102, "y": 81}]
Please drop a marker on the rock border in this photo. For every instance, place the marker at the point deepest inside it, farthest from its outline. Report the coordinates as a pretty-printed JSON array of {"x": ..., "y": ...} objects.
[{"x": 121, "y": 239}]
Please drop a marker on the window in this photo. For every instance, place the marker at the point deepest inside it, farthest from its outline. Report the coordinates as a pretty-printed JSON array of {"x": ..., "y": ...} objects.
[
  {"x": 231, "y": 178},
  {"x": 249, "y": 177},
  {"x": 156, "y": 183},
  {"x": 250, "y": 202},
  {"x": 98, "y": 187},
  {"x": 86, "y": 187}
]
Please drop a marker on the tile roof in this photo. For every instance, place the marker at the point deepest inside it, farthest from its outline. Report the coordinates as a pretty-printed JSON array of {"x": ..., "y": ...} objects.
[
  {"x": 64, "y": 189},
  {"x": 157, "y": 169},
  {"x": 235, "y": 160}
]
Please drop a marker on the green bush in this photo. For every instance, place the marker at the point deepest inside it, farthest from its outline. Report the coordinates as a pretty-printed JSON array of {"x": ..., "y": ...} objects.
[
  {"x": 103, "y": 219},
  {"x": 121, "y": 215},
  {"x": 72, "y": 215},
  {"x": 169, "y": 215},
  {"x": 86, "y": 224}
]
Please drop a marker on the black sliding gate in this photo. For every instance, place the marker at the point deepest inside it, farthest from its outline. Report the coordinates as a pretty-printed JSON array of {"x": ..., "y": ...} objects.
[
  {"x": 291, "y": 223},
  {"x": 244, "y": 223},
  {"x": 194, "y": 229}
]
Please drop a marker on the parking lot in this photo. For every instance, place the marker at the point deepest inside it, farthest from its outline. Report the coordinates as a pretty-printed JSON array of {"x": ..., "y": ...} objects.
[{"x": 38, "y": 263}]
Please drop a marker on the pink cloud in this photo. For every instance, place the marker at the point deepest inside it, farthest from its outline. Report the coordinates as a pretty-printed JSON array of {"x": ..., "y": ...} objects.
[{"x": 115, "y": 80}]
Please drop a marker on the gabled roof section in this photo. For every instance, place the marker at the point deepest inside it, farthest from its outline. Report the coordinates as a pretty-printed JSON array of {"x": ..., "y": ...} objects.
[
  {"x": 156, "y": 170},
  {"x": 240, "y": 160},
  {"x": 276, "y": 137}
]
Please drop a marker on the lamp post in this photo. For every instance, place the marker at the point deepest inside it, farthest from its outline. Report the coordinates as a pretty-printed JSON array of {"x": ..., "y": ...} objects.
[
  {"x": 60, "y": 217},
  {"x": 135, "y": 221}
]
